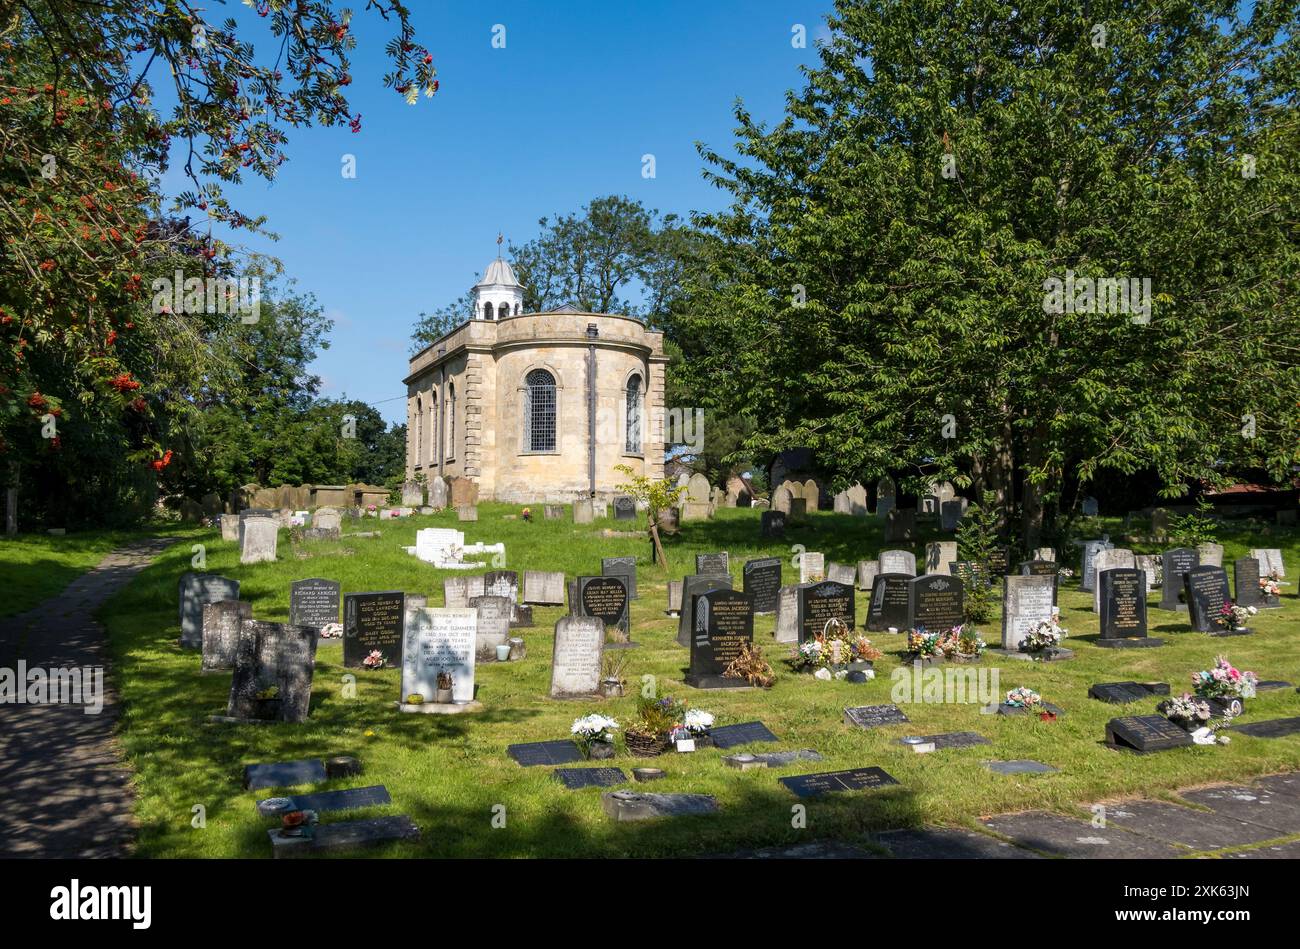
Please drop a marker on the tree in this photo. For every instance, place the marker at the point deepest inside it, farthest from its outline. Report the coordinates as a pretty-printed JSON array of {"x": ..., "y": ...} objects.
[
  {"x": 880, "y": 289},
  {"x": 657, "y": 496},
  {"x": 431, "y": 327}
]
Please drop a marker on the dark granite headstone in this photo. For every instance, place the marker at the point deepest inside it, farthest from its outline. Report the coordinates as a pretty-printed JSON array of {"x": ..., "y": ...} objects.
[
  {"x": 890, "y": 602},
  {"x": 855, "y": 779},
  {"x": 373, "y": 621},
  {"x": 273, "y": 656},
  {"x": 314, "y": 602},
  {"x": 1146, "y": 733},
  {"x": 624, "y": 508},
  {"x": 970, "y": 573},
  {"x": 544, "y": 752},
  {"x": 194, "y": 590},
  {"x": 606, "y": 598},
  {"x": 762, "y": 581},
  {"x": 999, "y": 561},
  {"x": 692, "y": 586},
  {"x": 713, "y": 565},
  {"x": 1043, "y": 568},
  {"x": 1206, "y": 590},
  {"x": 732, "y": 736},
  {"x": 818, "y": 603},
  {"x": 874, "y": 716},
  {"x": 576, "y": 778},
  {"x": 1245, "y": 582},
  {"x": 935, "y": 602},
  {"x": 1174, "y": 563},
  {"x": 1123, "y": 592},
  {"x": 773, "y": 524},
  {"x": 624, "y": 567},
  {"x": 724, "y": 625}
]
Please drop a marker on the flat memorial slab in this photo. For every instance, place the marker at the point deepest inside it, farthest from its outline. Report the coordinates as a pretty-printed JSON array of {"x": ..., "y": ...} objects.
[
  {"x": 1119, "y": 693},
  {"x": 1054, "y": 834},
  {"x": 284, "y": 774},
  {"x": 854, "y": 779},
  {"x": 1020, "y": 766},
  {"x": 942, "y": 843},
  {"x": 374, "y": 796},
  {"x": 1270, "y": 685},
  {"x": 346, "y": 835},
  {"x": 576, "y": 778},
  {"x": 874, "y": 716},
  {"x": 732, "y": 736},
  {"x": 1283, "y": 785},
  {"x": 813, "y": 850},
  {"x": 1144, "y": 734},
  {"x": 1289, "y": 851},
  {"x": 1199, "y": 830},
  {"x": 545, "y": 752},
  {"x": 633, "y": 806},
  {"x": 1272, "y": 728},
  {"x": 1059, "y": 654},
  {"x": 770, "y": 759},
  {"x": 1278, "y": 810},
  {"x": 948, "y": 740}
]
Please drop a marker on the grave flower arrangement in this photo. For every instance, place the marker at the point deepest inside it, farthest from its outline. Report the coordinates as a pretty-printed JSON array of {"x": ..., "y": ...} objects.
[
  {"x": 526, "y": 514},
  {"x": 594, "y": 735},
  {"x": 1046, "y": 635},
  {"x": 695, "y": 724},
  {"x": 923, "y": 645},
  {"x": 375, "y": 660},
  {"x": 833, "y": 648},
  {"x": 1196, "y": 715},
  {"x": 1224, "y": 681},
  {"x": 1023, "y": 698},
  {"x": 1232, "y": 616},
  {"x": 1270, "y": 585},
  {"x": 752, "y": 667},
  {"x": 963, "y": 645},
  {"x": 649, "y": 733}
]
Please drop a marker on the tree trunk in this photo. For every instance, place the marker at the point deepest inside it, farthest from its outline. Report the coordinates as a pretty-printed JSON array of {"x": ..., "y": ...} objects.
[
  {"x": 654, "y": 539},
  {"x": 1032, "y": 522},
  {"x": 11, "y": 501}
]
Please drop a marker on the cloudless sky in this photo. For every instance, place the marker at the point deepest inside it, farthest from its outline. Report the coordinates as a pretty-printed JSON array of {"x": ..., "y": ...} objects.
[{"x": 561, "y": 115}]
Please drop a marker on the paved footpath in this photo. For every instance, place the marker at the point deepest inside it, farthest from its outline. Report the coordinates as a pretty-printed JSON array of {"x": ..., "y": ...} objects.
[{"x": 64, "y": 788}]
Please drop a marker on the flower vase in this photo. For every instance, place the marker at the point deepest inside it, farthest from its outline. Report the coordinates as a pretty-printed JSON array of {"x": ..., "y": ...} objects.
[
  {"x": 442, "y": 696},
  {"x": 645, "y": 746},
  {"x": 601, "y": 750}
]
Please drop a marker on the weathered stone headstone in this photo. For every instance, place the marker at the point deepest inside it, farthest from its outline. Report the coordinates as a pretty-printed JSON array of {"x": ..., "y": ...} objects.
[
  {"x": 1211, "y": 555},
  {"x": 502, "y": 583},
  {"x": 193, "y": 591},
  {"x": 842, "y": 573},
  {"x": 772, "y": 524},
  {"x": 327, "y": 519},
  {"x": 818, "y": 603},
  {"x": 1206, "y": 590},
  {"x": 553, "y": 512},
  {"x": 1160, "y": 524},
  {"x": 437, "y": 492},
  {"x": 1027, "y": 600},
  {"x": 1108, "y": 559},
  {"x": 1270, "y": 561},
  {"x": 258, "y": 537},
  {"x": 230, "y": 527},
  {"x": 492, "y": 618},
  {"x": 1149, "y": 564},
  {"x": 1087, "y": 573},
  {"x": 624, "y": 567},
  {"x": 463, "y": 492},
  {"x": 787, "y": 614},
  {"x": 1174, "y": 564},
  {"x": 798, "y": 511},
  {"x": 867, "y": 572},
  {"x": 1045, "y": 553},
  {"x": 1090, "y": 507},
  {"x": 886, "y": 494},
  {"x": 724, "y": 625},
  {"x": 576, "y": 661},
  {"x": 897, "y": 561},
  {"x": 439, "y": 641},
  {"x": 373, "y": 621},
  {"x": 544, "y": 587},
  {"x": 1245, "y": 582},
  {"x": 272, "y": 672},
  {"x": 605, "y": 597},
  {"x": 412, "y": 494},
  {"x": 939, "y": 555},
  {"x": 713, "y": 564},
  {"x": 624, "y": 508},
  {"x": 841, "y": 504},
  {"x": 781, "y": 499},
  {"x": 467, "y": 512},
  {"x": 582, "y": 511},
  {"x": 1043, "y": 568},
  {"x": 221, "y": 625},
  {"x": 890, "y": 602},
  {"x": 314, "y": 602},
  {"x": 812, "y": 566},
  {"x": 1122, "y": 600},
  {"x": 674, "y": 598},
  {"x": 761, "y": 580},
  {"x": 692, "y": 586},
  {"x": 812, "y": 495},
  {"x": 935, "y": 602},
  {"x": 857, "y": 496},
  {"x": 455, "y": 593}
]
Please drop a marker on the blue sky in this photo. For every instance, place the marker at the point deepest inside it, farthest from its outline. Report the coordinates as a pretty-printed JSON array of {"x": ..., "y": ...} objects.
[{"x": 562, "y": 114}]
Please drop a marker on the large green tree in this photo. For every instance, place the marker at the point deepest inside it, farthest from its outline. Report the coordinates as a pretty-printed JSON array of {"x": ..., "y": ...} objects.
[{"x": 879, "y": 288}]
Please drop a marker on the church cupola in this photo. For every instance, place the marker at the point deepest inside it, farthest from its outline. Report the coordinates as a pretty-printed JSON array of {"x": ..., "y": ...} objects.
[{"x": 499, "y": 294}]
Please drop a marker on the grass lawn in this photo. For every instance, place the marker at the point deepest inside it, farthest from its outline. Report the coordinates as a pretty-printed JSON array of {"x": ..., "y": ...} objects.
[
  {"x": 450, "y": 772},
  {"x": 35, "y": 567}
]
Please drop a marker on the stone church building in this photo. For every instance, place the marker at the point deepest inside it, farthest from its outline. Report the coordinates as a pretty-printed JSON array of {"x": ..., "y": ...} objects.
[{"x": 536, "y": 406}]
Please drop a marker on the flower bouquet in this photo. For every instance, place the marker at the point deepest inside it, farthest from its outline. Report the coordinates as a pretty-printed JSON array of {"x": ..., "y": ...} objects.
[
  {"x": 963, "y": 645},
  {"x": 1235, "y": 617},
  {"x": 695, "y": 724},
  {"x": 1022, "y": 697},
  {"x": 1270, "y": 587},
  {"x": 1196, "y": 716},
  {"x": 648, "y": 735},
  {"x": 1044, "y": 638},
  {"x": 1224, "y": 687},
  {"x": 526, "y": 514},
  {"x": 923, "y": 645},
  {"x": 375, "y": 660},
  {"x": 834, "y": 649},
  {"x": 593, "y": 733}
]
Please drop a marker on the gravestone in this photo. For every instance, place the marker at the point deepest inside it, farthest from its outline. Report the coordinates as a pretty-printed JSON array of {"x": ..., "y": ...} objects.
[
  {"x": 900, "y": 525},
  {"x": 857, "y": 500},
  {"x": 533, "y": 753},
  {"x": 781, "y": 499},
  {"x": 437, "y": 492},
  {"x": 772, "y": 524},
  {"x": 692, "y": 586},
  {"x": 885, "y": 497},
  {"x": 939, "y": 556},
  {"x": 1027, "y": 600},
  {"x": 818, "y": 603},
  {"x": 583, "y": 512},
  {"x": 761, "y": 580},
  {"x": 221, "y": 625},
  {"x": 745, "y": 733},
  {"x": 798, "y": 511},
  {"x": 327, "y": 518},
  {"x": 492, "y": 615},
  {"x": 812, "y": 566},
  {"x": 935, "y": 603},
  {"x": 724, "y": 626},
  {"x": 812, "y": 494},
  {"x": 890, "y": 602},
  {"x": 284, "y": 774},
  {"x": 1043, "y": 568},
  {"x": 1122, "y": 597},
  {"x": 439, "y": 640},
  {"x": 258, "y": 537},
  {"x": 577, "y": 778},
  {"x": 345, "y": 799},
  {"x": 600, "y": 508},
  {"x": 1089, "y": 507},
  {"x": 576, "y": 661},
  {"x": 373, "y": 621},
  {"x": 1146, "y": 733},
  {"x": 605, "y": 598},
  {"x": 867, "y": 572},
  {"x": 314, "y": 602},
  {"x": 674, "y": 598},
  {"x": 624, "y": 508},
  {"x": 544, "y": 587},
  {"x": 951, "y": 513},
  {"x": 624, "y": 567},
  {"x": 1119, "y": 693},
  {"x": 1245, "y": 582},
  {"x": 787, "y": 614},
  {"x": 842, "y": 573},
  {"x": 841, "y": 504},
  {"x": 874, "y": 716},
  {"x": 1206, "y": 589},
  {"x": 455, "y": 593},
  {"x": 552, "y": 512},
  {"x": 999, "y": 561},
  {"x": 272, "y": 656},
  {"x": 713, "y": 564},
  {"x": 897, "y": 561},
  {"x": 230, "y": 527},
  {"x": 1108, "y": 559},
  {"x": 467, "y": 512},
  {"x": 1087, "y": 573},
  {"x": 855, "y": 779},
  {"x": 1149, "y": 564},
  {"x": 412, "y": 494},
  {"x": 1174, "y": 564},
  {"x": 1210, "y": 554},
  {"x": 193, "y": 592},
  {"x": 1270, "y": 561},
  {"x": 502, "y": 583}
]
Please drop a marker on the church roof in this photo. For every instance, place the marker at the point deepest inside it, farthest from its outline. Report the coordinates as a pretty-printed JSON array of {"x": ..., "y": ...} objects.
[{"x": 499, "y": 273}]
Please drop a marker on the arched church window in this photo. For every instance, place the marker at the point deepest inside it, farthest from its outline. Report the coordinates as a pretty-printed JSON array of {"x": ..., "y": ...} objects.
[
  {"x": 633, "y": 427},
  {"x": 487, "y": 311},
  {"x": 451, "y": 420},
  {"x": 419, "y": 431},
  {"x": 433, "y": 428},
  {"x": 539, "y": 411}
]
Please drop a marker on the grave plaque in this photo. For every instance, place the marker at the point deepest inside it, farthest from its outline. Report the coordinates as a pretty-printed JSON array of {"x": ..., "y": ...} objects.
[
  {"x": 1145, "y": 733},
  {"x": 819, "y": 603},
  {"x": 692, "y": 586},
  {"x": 373, "y": 621},
  {"x": 221, "y": 624},
  {"x": 1123, "y": 598},
  {"x": 1026, "y": 602},
  {"x": 890, "y": 602},
  {"x": 1206, "y": 590},
  {"x": 492, "y": 614},
  {"x": 1087, "y": 573},
  {"x": 544, "y": 587},
  {"x": 812, "y": 566},
  {"x": 624, "y": 567},
  {"x": 935, "y": 603},
  {"x": 1119, "y": 693},
  {"x": 195, "y": 590},
  {"x": 576, "y": 662},
  {"x": 533, "y": 753},
  {"x": 345, "y": 799},
  {"x": 874, "y": 716},
  {"x": 733, "y": 736},
  {"x": 948, "y": 740},
  {"x": 1270, "y": 728},
  {"x": 1245, "y": 582},
  {"x": 314, "y": 602},
  {"x": 439, "y": 640},
  {"x": 999, "y": 561},
  {"x": 724, "y": 625},
  {"x": 1174, "y": 564},
  {"x": 762, "y": 581},
  {"x": 576, "y": 778},
  {"x": 284, "y": 774},
  {"x": 605, "y": 598},
  {"x": 713, "y": 565},
  {"x": 772, "y": 524},
  {"x": 624, "y": 508},
  {"x": 273, "y": 669},
  {"x": 855, "y": 779}
]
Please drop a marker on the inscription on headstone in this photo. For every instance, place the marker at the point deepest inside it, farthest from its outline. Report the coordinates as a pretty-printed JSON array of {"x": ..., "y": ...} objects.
[
  {"x": 890, "y": 602},
  {"x": 273, "y": 670},
  {"x": 194, "y": 590},
  {"x": 492, "y": 615},
  {"x": 606, "y": 598},
  {"x": 762, "y": 581},
  {"x": 692, "y": 586},
  {"x": 544, "y": 587},
  {"x": 373, "y": 621},
  {"x": 1026, "y": 601},
  {"x": 713, "y": 565},
  {"x": 624, "y": 567},
  {"x": 576, "y": 661},
  {"x": 724, "y": 625},
  {"x": 439, "y": 640},
  {"x": 935, "y": 603},
  {"x": 1123, "y": 597},
  {"x": 821, "y": 602},
  {"x": 1245, "y": 582},
  {"x": 314, "y": 602},
  {"x": 1206, "y": 589},
  {"x": 1175, "y": 563}
]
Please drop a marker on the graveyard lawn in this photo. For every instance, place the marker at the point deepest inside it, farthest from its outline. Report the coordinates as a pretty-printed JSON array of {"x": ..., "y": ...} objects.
[{"x": 452, "y": 775}]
